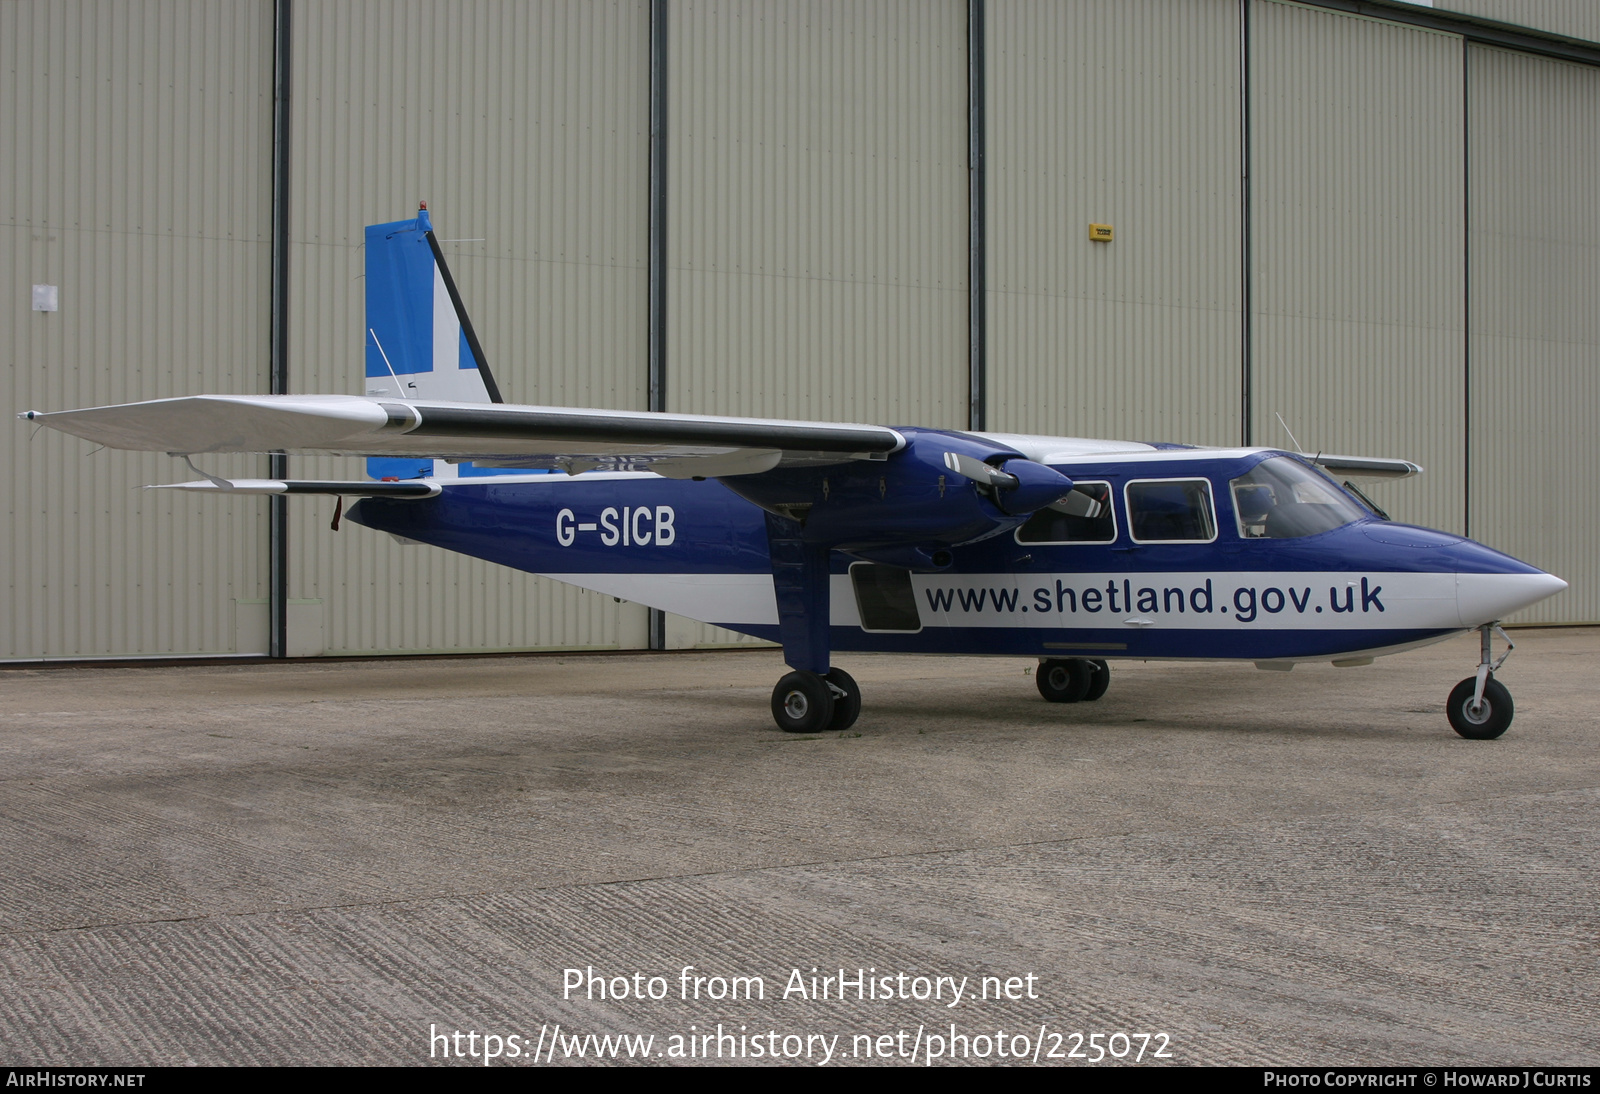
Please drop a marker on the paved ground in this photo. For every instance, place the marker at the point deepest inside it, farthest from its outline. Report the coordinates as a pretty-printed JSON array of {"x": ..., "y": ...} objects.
[{"x": 319, "y": 863}]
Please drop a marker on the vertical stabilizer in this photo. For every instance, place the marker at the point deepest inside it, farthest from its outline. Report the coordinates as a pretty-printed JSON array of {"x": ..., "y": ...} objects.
[{"x": 420, "y": 342}]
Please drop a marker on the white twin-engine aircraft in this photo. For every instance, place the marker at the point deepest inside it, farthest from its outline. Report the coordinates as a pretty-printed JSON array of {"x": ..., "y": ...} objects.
[{"x": 827, "y": 537}]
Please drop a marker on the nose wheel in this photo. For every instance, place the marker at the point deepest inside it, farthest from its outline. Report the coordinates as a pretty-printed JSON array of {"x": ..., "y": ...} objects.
[
  {"x": 1480, "y": 718},
  {"x": 808, "y": 702},
  {"x": 1072, "y": 679},
  {"x": 1480, "y": 707}
]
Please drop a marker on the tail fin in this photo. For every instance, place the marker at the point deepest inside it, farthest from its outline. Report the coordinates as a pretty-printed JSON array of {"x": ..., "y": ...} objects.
[{"x": 420, "y": 342}]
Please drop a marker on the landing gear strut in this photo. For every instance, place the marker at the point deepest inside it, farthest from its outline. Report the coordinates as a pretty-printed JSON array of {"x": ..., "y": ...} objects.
[
  {"x": 846, "y": 699},
  {"x": 1480, "y": 707},
  {"x": 806, "y": 702},
  {"x": 1072, "y": 680}
]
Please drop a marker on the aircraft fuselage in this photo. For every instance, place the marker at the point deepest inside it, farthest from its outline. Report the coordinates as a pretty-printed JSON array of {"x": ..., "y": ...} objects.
[{"x": 699, "y": 550}]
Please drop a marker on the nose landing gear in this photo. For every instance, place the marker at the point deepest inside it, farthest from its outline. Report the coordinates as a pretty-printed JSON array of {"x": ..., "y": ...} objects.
[{"x": 1480, "y": 707}]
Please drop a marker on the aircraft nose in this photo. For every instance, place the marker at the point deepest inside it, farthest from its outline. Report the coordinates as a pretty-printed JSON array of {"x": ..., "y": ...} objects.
[{"x": 1484, "y": 598}]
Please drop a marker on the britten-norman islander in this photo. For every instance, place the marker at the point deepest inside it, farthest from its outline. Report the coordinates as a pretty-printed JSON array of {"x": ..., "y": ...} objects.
[{"x": 832, "y": 537}]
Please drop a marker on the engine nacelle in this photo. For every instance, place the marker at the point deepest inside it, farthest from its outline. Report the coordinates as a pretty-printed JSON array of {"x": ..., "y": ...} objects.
[
  {"x": 941, "y": 490},
  {"x": 1037, "y": 486}
]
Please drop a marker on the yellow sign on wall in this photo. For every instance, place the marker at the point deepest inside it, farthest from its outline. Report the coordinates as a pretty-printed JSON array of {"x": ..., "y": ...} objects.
[{"x": 1100, "y": 233}]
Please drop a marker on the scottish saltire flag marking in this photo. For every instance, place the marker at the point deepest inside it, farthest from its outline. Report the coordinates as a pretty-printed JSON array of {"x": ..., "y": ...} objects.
[{"x": 420, "y": 343}]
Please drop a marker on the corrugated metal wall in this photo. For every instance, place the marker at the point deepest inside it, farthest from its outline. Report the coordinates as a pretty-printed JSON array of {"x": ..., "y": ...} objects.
[
  {"x": 816, "y": 218},
  {"x": 817, "y": 265},
  {"x": 525, "y": 127},
  {"x": 1125, "y": 113},
  {"x": 817, "y": 210},
  {"x": 1573, "y": 18},
  {"x": 1535, "y": 262},
  {"x": 136, "y": 177},
  {"x": 1359, "y": 272}
]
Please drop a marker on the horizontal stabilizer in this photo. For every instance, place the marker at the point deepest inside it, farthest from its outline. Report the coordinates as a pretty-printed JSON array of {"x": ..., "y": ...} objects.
[{"x": 366, "y": 489}]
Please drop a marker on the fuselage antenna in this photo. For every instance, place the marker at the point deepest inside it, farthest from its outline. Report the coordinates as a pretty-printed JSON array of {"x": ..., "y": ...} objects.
[{"x": 1275, "y": 414}]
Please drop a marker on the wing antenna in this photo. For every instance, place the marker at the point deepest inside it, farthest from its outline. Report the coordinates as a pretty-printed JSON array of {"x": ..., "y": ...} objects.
[{"x": 400, "y": 391}]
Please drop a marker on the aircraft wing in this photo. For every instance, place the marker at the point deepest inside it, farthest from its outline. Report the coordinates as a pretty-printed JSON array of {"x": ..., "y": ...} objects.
[{"x": 500, "y": 434}]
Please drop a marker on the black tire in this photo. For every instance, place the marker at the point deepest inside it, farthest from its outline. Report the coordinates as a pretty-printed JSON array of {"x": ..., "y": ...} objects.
[
  {"x": 1063, "y": 681},
  {"x": 846, "y": 707},
  {"x": 1099, "y": 680},
  {"x": 802, "y": 703},
  {"x": 1487, "y": 723}
]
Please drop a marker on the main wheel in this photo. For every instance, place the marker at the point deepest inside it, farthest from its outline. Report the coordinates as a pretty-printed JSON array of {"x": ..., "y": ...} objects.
[
  {"x": 802, "y": 703},
  {"x": 846, "y": 707},
  {"x": 1099, "y": 680},
  {"x": 1065, "y": 681},
  {"x": 1486, "y": 721}
]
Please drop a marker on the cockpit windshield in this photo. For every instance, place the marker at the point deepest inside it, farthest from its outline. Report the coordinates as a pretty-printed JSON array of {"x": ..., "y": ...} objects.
[{"x": 1282, "y": 498}]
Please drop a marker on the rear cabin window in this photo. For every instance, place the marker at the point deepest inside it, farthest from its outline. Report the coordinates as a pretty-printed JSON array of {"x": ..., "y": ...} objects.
[
  {"x": 1282, "y": 498},
  {"x": 1171, "y": 511},
  {"x": 1083, "y": 516}
]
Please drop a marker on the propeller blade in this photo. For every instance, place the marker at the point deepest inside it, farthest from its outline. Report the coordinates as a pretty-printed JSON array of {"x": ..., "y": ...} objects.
[
  {"x": 980, "y": 472},
  {"x": 1079, "y": 504}
]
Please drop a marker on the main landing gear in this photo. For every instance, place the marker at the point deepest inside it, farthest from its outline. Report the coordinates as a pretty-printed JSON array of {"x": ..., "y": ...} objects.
[
  {"x": 806, "y": 702},
  {"x": 1072, "y": 680},
  {"x": 1480, "y": 707}
]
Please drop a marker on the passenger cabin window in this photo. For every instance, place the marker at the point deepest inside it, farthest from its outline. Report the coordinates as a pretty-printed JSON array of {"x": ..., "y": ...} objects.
[
  {"x": 1171, "y": 511},
  {"x": 1282, "y": 498},
  {"x": 1083, "y": 516}
]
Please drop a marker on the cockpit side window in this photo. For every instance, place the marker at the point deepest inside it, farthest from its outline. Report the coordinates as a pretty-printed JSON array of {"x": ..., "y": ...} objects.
[
  {"x": 1171, "y": 511},
  {"x": 1281, "y": 498},
  {"x": 1083, "y": 516}
]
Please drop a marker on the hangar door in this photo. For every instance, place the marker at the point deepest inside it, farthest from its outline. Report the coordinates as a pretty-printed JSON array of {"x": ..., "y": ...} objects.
[{"x": 1534, "y": 241}]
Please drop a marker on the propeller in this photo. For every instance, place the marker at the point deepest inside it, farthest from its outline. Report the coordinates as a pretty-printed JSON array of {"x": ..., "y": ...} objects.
[
  {"x": 980, "y": 472},
  {"x": 1079, "y": 504},
  {"x": 1026, "y": 488}
]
